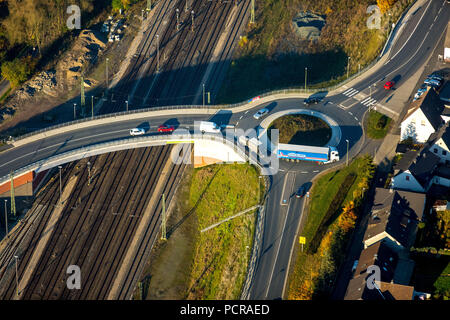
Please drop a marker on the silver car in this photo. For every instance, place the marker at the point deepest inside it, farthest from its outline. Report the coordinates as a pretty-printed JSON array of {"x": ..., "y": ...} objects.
[
  {"x": 137, "y": 131},
  {"x": 260, "y": 113}
]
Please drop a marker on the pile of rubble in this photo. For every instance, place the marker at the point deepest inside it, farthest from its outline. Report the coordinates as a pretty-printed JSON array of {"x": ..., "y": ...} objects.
[{"x": 44, "y": 81}]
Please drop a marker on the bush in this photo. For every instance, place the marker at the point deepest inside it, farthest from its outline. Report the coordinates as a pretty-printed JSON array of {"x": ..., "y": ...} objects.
[{"x": 18, "y": 70}]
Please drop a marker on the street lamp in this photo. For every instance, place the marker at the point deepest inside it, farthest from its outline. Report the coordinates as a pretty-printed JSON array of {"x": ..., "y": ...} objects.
[
  {"x": 60, "y": 191},
  {"x": 348, "y": 66},
  {"x": 17, "y": 277},
  {"x": 347, "y": 150},
  {"x": 157, "y": 53},
  {"x": 74, "y": 111},
  {"x": 192, "y": 16},
  {"x": 306, "y": 75},
  {"x": 127, "y": 104},
  {"x": 107, "y": 79},
  {"x": 203, "y": 94},
  {"x": 178, "y": 18},
  {"x": 6, "y": 219},
  {"x": 89, "y": 172}
]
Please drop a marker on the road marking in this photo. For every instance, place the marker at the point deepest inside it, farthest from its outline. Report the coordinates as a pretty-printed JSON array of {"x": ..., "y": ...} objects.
[
  {"x": 57, "y": 144},
  {"x": 356, "y": 119},
  {"x": 241, "y": 117},
  {"x": 287, "y": 189},
  {"x": 350, "y": 92},
  {"x": 350, "y": 113},
  {"x": 304, "y": 171},
  {"x": 247, "y": 111},
  {"x": 316, "y": 171}
]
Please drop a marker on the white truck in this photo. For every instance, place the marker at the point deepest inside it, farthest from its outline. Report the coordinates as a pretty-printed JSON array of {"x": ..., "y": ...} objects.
[
  {"x": 321, "y": 155},
  {"x": 207, "y": 126}
]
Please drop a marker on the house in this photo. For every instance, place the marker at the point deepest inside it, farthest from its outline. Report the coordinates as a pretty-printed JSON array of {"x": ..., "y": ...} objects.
[
  {"x": 439, "y": 143},
  {"x": 442, "y": 176},
  {"x": 423, "y": 118},
  {"x": 414, "y": 171},
  {"x": 358, "y": 290},
  {"x": 381, "y": 255},
  {"x": 394, "y": 218}
]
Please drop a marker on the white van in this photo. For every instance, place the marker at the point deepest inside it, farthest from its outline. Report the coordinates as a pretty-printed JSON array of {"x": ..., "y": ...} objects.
[{"x": 206, "y": 126}]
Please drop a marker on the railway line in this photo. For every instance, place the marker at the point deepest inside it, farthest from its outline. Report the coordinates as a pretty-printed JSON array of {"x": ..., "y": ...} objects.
[{"x": 99, "y": 221}]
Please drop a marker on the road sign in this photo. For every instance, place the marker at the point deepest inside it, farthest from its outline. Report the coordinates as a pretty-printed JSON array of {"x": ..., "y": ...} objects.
[{"x": 302, "y": 240}]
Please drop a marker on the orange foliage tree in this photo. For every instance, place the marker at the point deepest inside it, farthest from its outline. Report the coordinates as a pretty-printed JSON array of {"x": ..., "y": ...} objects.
[
  {"x": 348, "y": 217},
  {"x": 385, "y": 5}
]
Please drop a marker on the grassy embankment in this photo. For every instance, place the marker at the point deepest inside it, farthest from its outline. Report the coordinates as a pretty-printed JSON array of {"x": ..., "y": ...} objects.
[
  {"x": 302, "y": 129},
  {"x": 377, "y": 125},
  {"x": 270, "y": 56},
  {"x": 212, "y": 264},
  {"x": 334, "y": 207}
]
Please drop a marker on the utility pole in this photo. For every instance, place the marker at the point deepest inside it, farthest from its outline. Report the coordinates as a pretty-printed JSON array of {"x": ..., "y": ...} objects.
[
  {"x": 186, "y": 7},
  {"x": 157, "y": 53},
  {"x": 6, "y": 219},
  {"x": 163, "y": 222},
  {"x": 17, "y": 276},
  {"x": 306, "y": 76},
  {"x": 74, "y": 111},
  {"x": 178, "y": 18},
  {"x": 252, "y": 12},
  {"x": 149, "y": 5},
  {"x": 13, "y": 201},
  {"x": 127, "y": 104},
  {"x": 60, "y": 188},
  {"x": 192, "y": 16},
  {"x": 209, "y": 97},
  {"x": 89, "y": 172},
  {"x": 92, "y": 107}
]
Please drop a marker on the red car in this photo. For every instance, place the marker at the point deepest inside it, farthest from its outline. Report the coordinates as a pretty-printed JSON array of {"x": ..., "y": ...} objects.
[
  {"x": 388, "y": 85},
  {"x": 165, "y": 128}
]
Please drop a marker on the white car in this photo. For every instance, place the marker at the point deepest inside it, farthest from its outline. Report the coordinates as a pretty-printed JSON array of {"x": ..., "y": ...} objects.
[
  {"x": 260, "y": 113},
  {"x": 137, "y": 131}
]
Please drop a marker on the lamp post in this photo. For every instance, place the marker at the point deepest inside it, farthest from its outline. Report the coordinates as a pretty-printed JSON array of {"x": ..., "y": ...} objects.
[
  {"x": 348, "y": 66},
  {"x": 17, "y": 276},
  {"x": 6, "y": 219},
  {"x": 60, "y": 189},
  {"x": 107, "y": 79},
  {"x": 89, "y": 172},
  {"x": 306, "y": 75},
  {"x": 203, "y": 94},
  {"x": 127, "y": 104},
  {"x": 157, "y": 53},
  {"x": 178, "y": 18},
  {"x": 347, "y": 150},
  {"x": 192, "y": 16},
  {"x": 74, "y": 111}
]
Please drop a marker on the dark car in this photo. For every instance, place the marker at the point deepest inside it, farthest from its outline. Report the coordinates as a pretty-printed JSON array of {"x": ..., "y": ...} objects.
[
  {"x": 300, "y": 192},
  {"x": 312, "y": 100}
]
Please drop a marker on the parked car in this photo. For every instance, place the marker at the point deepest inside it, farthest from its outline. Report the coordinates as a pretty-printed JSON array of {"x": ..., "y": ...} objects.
[
  {"x": 300, "y": 192},
  {"x": 165, "y": 128},
  {"x": 355, "y": 264},
  {"x": 260, "y": 113},
  {"x": 388, "y": 85},
  {"x": 430, "y": 81},
  {"x": 435, "y": 77},
  {"x": 311, "y": 100},
  {"x": 137, "y": 131}
]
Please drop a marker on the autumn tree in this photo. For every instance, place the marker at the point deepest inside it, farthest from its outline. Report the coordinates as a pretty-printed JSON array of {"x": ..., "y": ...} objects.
[
  {"x": 18, "y": 70},
  {"x": 385, "y": 5},
  {"x": 347, "y": 219}
]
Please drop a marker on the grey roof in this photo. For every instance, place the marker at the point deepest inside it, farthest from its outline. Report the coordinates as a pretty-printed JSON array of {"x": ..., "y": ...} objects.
[
  {"x": 443, "y": 171},
  {"x": 432, "y": 107},
  {"x": 381, "y": 255},
  {"x": 396, "y": 212},
  {"x": 422, "y": 169}
]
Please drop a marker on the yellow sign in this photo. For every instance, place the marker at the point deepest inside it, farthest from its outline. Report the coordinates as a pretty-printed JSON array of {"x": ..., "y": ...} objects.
[
  {"x": 302, "y": 240},
  {"x": 176, "y": 141}
]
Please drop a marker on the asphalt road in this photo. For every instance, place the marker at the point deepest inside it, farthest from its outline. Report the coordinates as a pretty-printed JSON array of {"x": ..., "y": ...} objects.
[{"x": 408, "y": 53}]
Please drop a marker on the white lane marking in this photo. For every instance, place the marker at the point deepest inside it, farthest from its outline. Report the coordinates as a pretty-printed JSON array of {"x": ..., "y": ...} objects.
[
  {"x": 351, "y": 92},
  {"x": 350, "y": 113},
  {"x": 356, "y": 119},
  {"x": 418, "y": 23},
  {"x": 246, "y": 111},
  {"x": 237, "y": 123},
  {"x": 57, "y": 144},
  {"x": 241, "y": 117},
  {"x": 316, "y": 171},
  {"x": 287, "y": 179}
]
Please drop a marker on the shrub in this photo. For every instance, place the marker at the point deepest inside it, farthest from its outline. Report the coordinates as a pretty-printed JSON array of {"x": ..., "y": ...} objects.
[{"x": 18, "y": 70}]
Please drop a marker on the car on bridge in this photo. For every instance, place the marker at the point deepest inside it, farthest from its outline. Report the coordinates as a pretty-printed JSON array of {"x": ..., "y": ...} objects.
[
  {"x": 137, "y": 131},
  {"x": 388, "y": 85},
  {"x": 260, "y": 113},
  {"x": 166, "y": 128}
]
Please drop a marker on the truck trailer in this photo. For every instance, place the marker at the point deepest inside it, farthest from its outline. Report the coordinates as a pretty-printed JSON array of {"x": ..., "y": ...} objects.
[{"x": 321, "y": 155}]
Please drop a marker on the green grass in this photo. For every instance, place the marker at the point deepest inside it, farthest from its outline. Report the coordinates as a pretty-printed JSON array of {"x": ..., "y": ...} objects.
[
  {"x": 311, "y": 274},
  {"x": 221, "y": 255},
  {"x": 5, "y": 95},
  {"x": 302, "y": 129},
  {"x": 432, "y": 275},
  {"x": 377, "y": 125}
]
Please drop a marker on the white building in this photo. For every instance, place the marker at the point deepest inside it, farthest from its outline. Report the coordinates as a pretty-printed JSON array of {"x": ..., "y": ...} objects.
[{"x": 423, "y": 119}]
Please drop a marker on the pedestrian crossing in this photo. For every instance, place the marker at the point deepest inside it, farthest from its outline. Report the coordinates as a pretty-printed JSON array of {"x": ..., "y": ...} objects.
[
  {"x": 350, "y": 92},
  {"x": 367, "y": 101}
]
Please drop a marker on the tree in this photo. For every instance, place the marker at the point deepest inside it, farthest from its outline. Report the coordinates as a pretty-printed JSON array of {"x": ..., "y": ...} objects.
[
  {"x": 347, "y": 219},
  {"x": 18, "y": 70},
  {"x": 385, "y": 5}
]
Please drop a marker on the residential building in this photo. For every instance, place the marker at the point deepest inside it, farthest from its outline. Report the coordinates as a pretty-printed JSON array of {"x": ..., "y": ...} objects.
[{"x": 423, "y": 118}]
